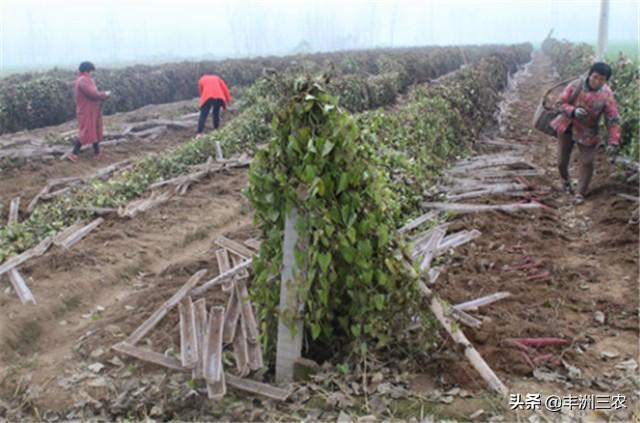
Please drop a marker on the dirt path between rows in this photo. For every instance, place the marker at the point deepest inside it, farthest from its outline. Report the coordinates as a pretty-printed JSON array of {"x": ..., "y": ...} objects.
[{"x": 590, "y": 252}]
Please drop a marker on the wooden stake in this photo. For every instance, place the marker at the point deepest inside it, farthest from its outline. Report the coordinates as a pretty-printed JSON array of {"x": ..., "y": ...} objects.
[
  {"x": 219, "y": 156},
  {"x": 501, "y": 144},
  {"x": 479, "y": 302},
  {"x": 223, "y": 265},
  {"x": 159, "y": 314},
  {"x": 466, "y": 319},
  {"x": 36, "y": 251},
  {"x": 504, "y": 189},
  {"x": 475, "y": 186},
  {"x": 141, "y": 205},
  {"x": 419, "y": 221},
  {"x": 502, "y": 174},
  {"x": 191, "y": 177},
  {"x": 255, "y": 355},
  {"x": 212, "y": 355},
  {"x": 21, "y": 288},
  {"x": 64, "y": 234},
  {"x": 421, "y": 240},
  {"x": 289, "y": 342},
  {"x": 483, "y": 158},
  {"x": 254, "y": 351},
  {"x": 73, "y": 238},
  {"x": 495, "y": 161},
  {"x": 73, "y": 180},
  {"x": 34, "y": 201},
  {"x": 234, "y": 247},
  {"x": 248, "y": 317},
  {"x": 457, "y": 239},
  {"x": 629, "y": 197},
  {"x": 148, "y": 355},
  {"x": 430, "y": 248},
  {"x": 236, "y": 260},
  {"x": 200, "y": 309},
  {"x": 477, "y": 208},
  {"x": 14, "y": 210},
  {"x": 221, "y": 278},
  {"x": 231, "y": 317},
  {"x": 258, "y": 388},
  {"x": 470, "y": 352},
  {"x": 434, "y": 273},
  {"x": 241, "y": 350},
  {"x": 58, "y": 193},
  {"x": 106, "y": 171},
  {"x": 246, "y": 385},
  {"x": 254, "y": 244},
  {"x": 188, "y": 333}
]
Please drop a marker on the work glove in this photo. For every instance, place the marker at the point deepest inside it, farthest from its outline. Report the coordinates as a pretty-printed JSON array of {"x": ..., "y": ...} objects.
[{"x": 580, "y": 113}]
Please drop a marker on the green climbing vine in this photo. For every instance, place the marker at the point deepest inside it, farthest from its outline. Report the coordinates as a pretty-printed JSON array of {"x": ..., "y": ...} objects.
[
  {"x": 355, "y": 180},
  {"x": 357, "y": 287}
]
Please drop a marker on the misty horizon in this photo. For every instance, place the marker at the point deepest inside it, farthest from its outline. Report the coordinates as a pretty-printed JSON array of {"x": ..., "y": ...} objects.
[{"x": 63, "y": 33}]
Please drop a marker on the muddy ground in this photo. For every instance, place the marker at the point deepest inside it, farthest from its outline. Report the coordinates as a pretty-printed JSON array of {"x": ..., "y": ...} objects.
[{"x": 95, "y": 294}]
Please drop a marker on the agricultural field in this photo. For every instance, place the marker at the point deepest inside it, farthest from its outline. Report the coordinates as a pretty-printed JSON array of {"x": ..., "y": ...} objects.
[{"x": 392, "y": 211}]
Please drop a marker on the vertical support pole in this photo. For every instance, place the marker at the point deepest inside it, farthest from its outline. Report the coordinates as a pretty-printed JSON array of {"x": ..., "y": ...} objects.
[
  {"x": 219, "y": 156},
  {"x": 201, "y": 326},
  {"x": 2, "y": 37},
  {"x": 14, "y": 210},
  {"x": 289, "y": 345},
  {"x": 603, "y": 30}
]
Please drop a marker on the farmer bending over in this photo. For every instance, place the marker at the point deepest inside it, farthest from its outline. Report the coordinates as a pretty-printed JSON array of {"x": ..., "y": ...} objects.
[
  {"x": 213, "y": 93},
  {"x": 578, "y": 124},
  {"x": 88, "y": 111}
]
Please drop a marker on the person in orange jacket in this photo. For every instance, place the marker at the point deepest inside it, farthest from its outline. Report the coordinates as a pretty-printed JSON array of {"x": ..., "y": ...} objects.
[{"x": 214, "y": 93}]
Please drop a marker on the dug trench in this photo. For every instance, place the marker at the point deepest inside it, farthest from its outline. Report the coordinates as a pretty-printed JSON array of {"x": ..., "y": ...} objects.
[{"x": 95, "y": 294}]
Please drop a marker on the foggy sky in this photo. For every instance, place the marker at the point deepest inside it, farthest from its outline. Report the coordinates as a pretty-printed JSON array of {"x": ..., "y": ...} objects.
[{"x": 50, "y": 32}]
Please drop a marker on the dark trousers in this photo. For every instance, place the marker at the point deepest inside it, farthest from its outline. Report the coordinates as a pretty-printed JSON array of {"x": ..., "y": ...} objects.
[
  {"x": 586, "y": 157},
  {"x": 77, "y": 146},
  {"x": 216, "y": 103}
]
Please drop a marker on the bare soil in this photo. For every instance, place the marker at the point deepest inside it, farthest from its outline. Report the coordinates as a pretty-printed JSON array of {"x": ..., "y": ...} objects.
[{"x": 95, "y": 294}]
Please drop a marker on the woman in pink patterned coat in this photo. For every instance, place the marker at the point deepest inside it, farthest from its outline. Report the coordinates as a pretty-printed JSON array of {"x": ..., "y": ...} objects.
[{"x": 579, "y": 123}]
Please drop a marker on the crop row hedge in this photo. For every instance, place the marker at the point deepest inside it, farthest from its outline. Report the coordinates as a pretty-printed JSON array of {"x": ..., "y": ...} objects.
[
  {"x": 354, "y": 180},
  {"x": 250, "y": 127},
  {"x": 33, "y": 100}
]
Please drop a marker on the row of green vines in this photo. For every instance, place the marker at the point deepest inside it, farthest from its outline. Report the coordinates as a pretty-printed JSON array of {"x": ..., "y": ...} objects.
[
  {"x": 33, "y": 100},
  {"x": 355, "y": 180},
  {"x": 248, "y": 129},
  {"x": 356, "y": 284}
]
